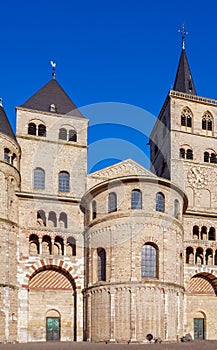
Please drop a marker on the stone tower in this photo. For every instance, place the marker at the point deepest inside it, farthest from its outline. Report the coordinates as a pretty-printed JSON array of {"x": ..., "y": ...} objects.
[
  {"x": 184, "y": 149},
  {"x": 52, "y": 135},
  {"x": 10, "y": 183}
]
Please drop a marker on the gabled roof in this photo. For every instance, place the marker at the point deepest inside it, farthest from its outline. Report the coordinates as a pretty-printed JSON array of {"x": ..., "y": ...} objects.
[
  {"x": 5, "y": 127},
  {"x": 184, "y": 81},
  {"x": 52, "y": 94}
]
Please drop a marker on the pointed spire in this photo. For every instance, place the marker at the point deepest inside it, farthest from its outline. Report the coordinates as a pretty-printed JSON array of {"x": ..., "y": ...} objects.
[
  {"x": 184, "y": 81},
  {"x": 5, "y": 127}
]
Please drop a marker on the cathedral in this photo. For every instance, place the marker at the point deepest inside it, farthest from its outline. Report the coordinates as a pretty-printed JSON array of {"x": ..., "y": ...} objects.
[{"x": 117, "y": 254}]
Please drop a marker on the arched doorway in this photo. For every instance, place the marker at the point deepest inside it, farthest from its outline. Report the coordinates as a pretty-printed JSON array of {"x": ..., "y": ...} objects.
[
  {"x": 201, "y": 305},
  {"x": 52, "y": 305}
]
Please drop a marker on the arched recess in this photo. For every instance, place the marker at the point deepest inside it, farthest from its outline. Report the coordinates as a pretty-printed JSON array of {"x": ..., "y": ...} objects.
[
  {"x": 203, "y": 283},
  {"x": 49, "y": 287}
]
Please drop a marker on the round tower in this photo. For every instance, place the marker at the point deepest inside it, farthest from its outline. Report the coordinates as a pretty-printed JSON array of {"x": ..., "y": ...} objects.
[
  {"x": 9, "y": 183},
  {"x": 134, "y": 253}
]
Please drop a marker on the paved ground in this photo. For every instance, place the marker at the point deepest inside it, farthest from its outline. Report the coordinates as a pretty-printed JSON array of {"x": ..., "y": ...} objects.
[{"x": 194, "y": 345}]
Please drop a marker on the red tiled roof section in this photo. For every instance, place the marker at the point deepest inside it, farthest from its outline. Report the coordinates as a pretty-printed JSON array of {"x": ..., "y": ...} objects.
[
  {"x": 50, "y": 279},
  {"x": 52, "y": 94}
]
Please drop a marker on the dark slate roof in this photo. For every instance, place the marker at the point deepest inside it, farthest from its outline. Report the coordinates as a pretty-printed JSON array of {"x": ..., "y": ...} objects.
[
  {"x": 52, "y": 93},
  {"x": 184, "y": 81},
  {"x": 5, "y": 127}
]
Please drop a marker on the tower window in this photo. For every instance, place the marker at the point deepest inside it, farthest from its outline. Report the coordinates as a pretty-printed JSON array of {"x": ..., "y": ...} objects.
[
  {"x": 182, "y": 153},
  {"x": 72, "y": 135},
  {"x": 6, "y": 155},
  {"x": 63, "y": 134},
  {"x": 207, "y": 122},
  {"x": 32, "y": 129},
  {"x": 42, "y": 130},
  {"x": 94, "y": 213},
  {"x": 186, "y": 118},
  {"x": 189, "y": 154},
  {"x": 63, "y": 181}
]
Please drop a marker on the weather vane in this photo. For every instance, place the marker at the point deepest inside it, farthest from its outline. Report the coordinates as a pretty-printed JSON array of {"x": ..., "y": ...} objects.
[
  {"x": 53, "y": 65},
  {"x": 184, "y": 33}
]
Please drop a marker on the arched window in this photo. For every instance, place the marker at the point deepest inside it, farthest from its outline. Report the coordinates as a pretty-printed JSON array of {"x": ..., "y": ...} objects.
[
  {"x": 63, "y": 134},
  {"x": 46, "y": 245},
  {"x": 149, "y": 261},
  {"x": 71, "y": 246},
  {"x": 63, "y": 181},
  {"x": 211, "y": 234},
  {"x": 196, "y": 232},
  {"x": 41, "y": 218},
  {"x": 33, "y": 244},
  {"x": 206, "y": 157},
  {"x": 52, "y": 218},
  {"x": 136, "y": 199},
  {"x": 58, "y": 246},
  {"x": 72, "y": 135},
  {"x": 203, "y": 232},
  {"x": 101, "y": 258},
  {"x": 42, "y": 130},
  {"x": 94, "y": 213},
  {"x": 160, "y": 202},
  {"x": 207, "y": 122},
  {"x": 209, "y": 257},
  {"x": 32, "y": 129},
  {"x": 63, "y": 220},
  {"x": 112, "y": 202},
  {"x": 6, "y": 155},
  {"x": 186, "y": 118},
  {"x": 213, "y": 158},
  {"x": 39, "y": 179},
  {"x": 189, "y": 255},
  {"x": 182, "y": 153},
  {"x": 176, "y": 209},
  {"x": 189, "y": 154},
  {"x": 199, "y": 256}
]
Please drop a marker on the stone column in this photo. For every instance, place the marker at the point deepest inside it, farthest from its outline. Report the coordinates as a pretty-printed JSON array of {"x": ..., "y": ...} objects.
[
  {"x": 133, "y": 315},
  {"x": 112, "y": 315}
]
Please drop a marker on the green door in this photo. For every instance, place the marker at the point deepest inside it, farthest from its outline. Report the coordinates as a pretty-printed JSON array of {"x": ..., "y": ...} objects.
[
  {"x": 198, "y": 328},
  {"x": 52, "y": 328}
]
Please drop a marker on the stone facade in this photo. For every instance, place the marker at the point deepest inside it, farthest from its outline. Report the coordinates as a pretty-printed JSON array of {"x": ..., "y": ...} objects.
[{"x": 116, "y": 254}]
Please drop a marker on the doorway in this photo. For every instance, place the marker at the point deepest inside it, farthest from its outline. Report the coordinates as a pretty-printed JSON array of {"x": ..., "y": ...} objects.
[
  {"x": 199, "y": 328},
  {"x": 52, "y": 328}
]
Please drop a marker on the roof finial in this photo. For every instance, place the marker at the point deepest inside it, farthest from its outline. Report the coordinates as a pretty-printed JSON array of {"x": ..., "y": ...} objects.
[
  {"x": 184, "y": 33},
  {"x": 53, "y": 65}
]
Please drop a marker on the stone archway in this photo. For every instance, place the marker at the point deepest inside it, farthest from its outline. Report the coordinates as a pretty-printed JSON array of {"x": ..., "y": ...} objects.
[{"x": 52, "y": 288}]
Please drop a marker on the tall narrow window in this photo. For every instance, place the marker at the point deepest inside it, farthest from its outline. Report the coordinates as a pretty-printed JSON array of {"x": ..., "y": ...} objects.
[
  {"x": 63, "y": 134},
  {"x": 176, "y": 209},
  {"x": 182, "y": 153},
  {"x": 52, "y": 218},
  {"x": 112, "y": 202},
  {"x": 207, "y": 122},
  {"x": 72, "y": 135},
  {"x": 63, "y": 220},
  {"x": 101, "y": 255},
  {"x": 189, "y": 154},
  {"x": 39, "y": 179},
  {"x": 41, "y": 217},
  {"x": 71, "y": 246},
  {"x": 94, "y": 210},
  {"x": 32, "y": 129},
  {"x": 160, "y": 202},
  {"x": 186, "y": 118},
  {"x": 42, "y": 130},
  {"x": 136, "y": 199},
  {"x": 213, "y": 158},
  {"x": 6, "y": 155},
  {"x": 63, "y": 181},
  {"x": 149, "y": 261},
  {"x": 206, "y": 157}
]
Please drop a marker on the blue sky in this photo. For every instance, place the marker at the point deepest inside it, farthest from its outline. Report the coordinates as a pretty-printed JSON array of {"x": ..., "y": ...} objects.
[{"x": 118, "y": 54}]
